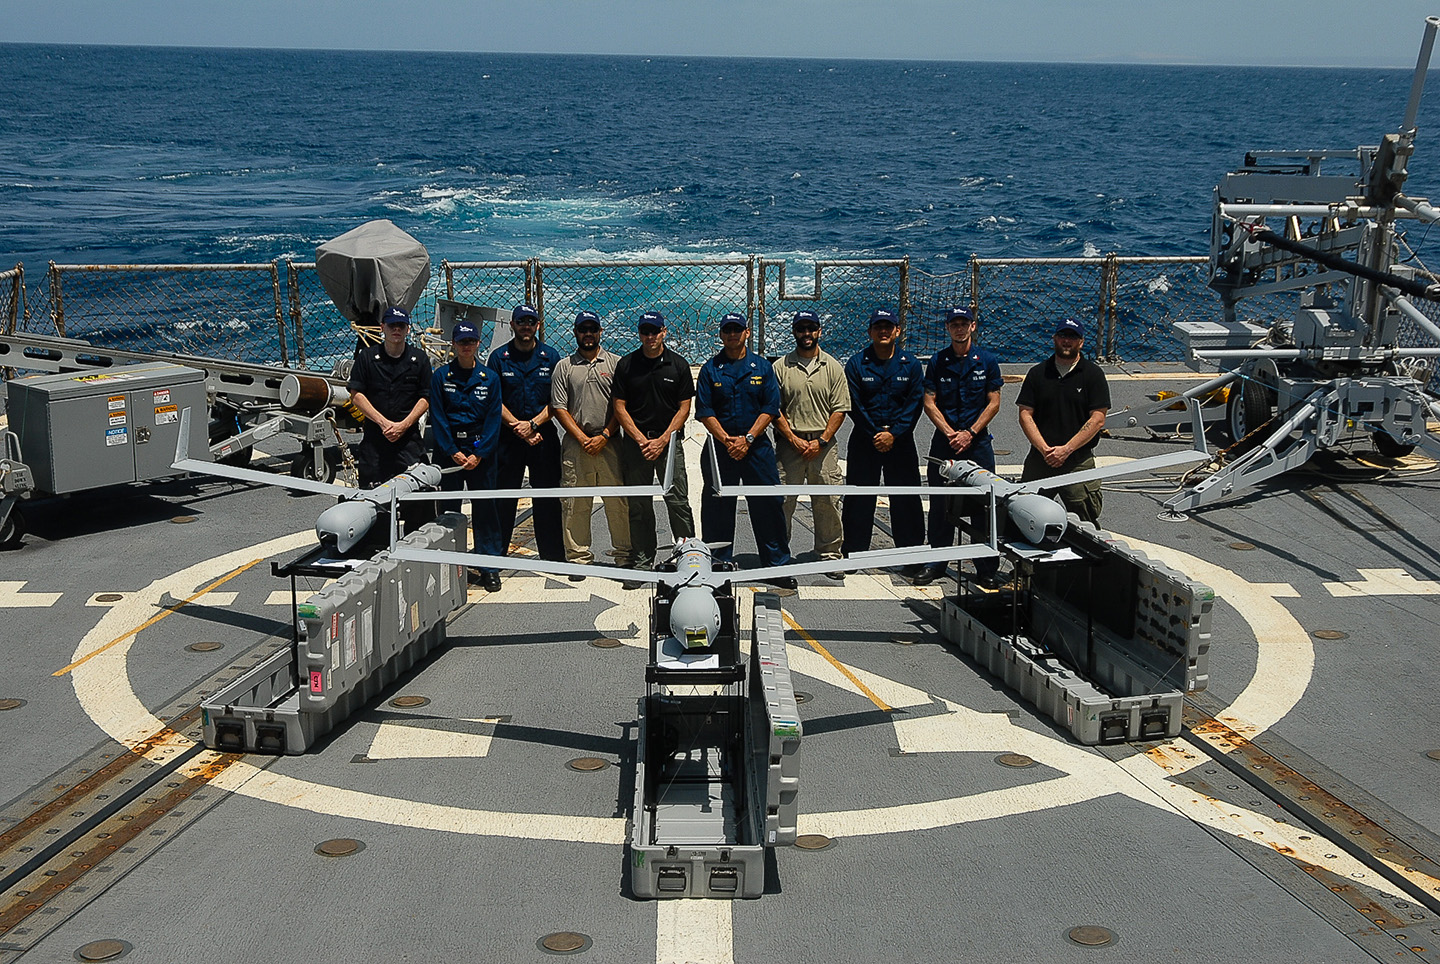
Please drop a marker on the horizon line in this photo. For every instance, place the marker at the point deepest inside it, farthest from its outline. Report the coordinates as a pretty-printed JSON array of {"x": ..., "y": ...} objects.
[{"x": 1135, "y": 61}]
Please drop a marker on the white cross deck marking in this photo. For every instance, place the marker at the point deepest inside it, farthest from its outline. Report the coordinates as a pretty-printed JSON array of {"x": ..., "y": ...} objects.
[
  {"x": 1384, "y": 582},
  {"x": 702, "y": 931},
  {"x": 11, "y": 597},
  {"x": 404, "y": 741},
  {"x": 694, "y": 932}
]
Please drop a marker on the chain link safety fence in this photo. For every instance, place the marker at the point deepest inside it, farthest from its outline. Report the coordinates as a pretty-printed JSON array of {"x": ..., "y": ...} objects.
[
  {"x": 223, "y": 311},
  {"x": 1426, "y": 371},
  {"x": 692, "y": 295},
  {"x": 843, "y": 294},
  {"x": 278, "y": 313}
]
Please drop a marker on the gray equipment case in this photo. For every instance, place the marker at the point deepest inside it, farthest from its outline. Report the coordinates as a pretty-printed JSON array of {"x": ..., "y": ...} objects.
[
  {"x": 357, "y": 636},
  {"x": 717, "y": 780},
  {"x": 1106, "y": 646},
  {"x": 85, "y": 430}
]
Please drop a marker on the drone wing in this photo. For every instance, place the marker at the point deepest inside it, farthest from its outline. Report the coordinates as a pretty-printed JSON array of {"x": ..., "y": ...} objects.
[
  {"x": 905, "y": 556},
  {"x": 1133, "y": 467},
  {"x": 522, "y": 564}
]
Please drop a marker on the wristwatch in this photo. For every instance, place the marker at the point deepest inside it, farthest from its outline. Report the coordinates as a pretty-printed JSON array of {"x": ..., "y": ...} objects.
[
  {"x": 824, "y": 442},
  {"x": 749, "y": 439}
]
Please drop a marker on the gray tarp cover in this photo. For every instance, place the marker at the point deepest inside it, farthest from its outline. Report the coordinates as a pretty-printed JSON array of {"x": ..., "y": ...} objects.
[{"x": 371, "y": 268}]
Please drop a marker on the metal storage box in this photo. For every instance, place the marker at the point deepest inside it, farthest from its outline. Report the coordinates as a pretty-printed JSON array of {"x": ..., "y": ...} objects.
[{"x": 85, "y": 430}]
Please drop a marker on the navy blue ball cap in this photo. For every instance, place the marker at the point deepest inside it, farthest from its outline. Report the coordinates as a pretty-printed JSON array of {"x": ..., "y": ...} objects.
[
  {"x": 651, "y": 319},
  {"x": 395, "y": 316},
  {"x": 524, "y": 313},
  {"x": 732, "y": 320},
  {"x": 464, "y": 331},
  {"x": 883, "y": 316},
  {"x": 1070, "y": 327},
  {"x": 959, "y": 314},
  {"x": 805, "y": 318},
  {"x": 586, "y": 318}
]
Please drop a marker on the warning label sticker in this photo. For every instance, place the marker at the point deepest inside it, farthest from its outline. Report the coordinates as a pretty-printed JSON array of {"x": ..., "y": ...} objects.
[
  {"x": 117, "y": 436},
  {"x": 117, "y": 418},
  {"x": 162, "y": 395},
  {"x": 350, "y": 642},
  {"x": 167, "y": 415},
  {"x": 367, "y": 633},
  {"x": 117, "y": 377},
  {"x": 115, "y": 402}
]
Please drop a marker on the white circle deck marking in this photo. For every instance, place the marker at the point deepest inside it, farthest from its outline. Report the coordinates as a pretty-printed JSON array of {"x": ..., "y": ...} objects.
[{"x": 103, "y": 688}]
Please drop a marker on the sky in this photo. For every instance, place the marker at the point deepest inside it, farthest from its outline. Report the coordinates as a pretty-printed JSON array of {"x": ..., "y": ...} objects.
[{"x": 1377, "y": 33}]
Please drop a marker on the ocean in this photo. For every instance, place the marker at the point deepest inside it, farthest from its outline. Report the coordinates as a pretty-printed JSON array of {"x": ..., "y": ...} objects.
[{"x": 159, "y": 155}]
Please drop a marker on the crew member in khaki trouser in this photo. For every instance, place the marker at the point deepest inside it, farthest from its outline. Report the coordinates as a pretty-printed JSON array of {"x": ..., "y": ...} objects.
[
  {"x": 580, "y": 397},
  {"x": 814, "y": 398}
]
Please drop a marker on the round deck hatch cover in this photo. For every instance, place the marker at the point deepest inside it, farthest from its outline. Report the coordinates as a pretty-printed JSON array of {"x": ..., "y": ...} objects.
[
  {"x": 1091, "y": 936},
  {"x": 339, "y": 847},
  {"x": 102, "y": 951}
]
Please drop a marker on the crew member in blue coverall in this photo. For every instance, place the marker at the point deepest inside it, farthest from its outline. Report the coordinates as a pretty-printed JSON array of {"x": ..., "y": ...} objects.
[
  {"x": 736, "y": 399},
  {"x": 887, "y": 388},
  {"x": 962, "y": 395},
  {"x": 465, "y": 431},
  {"x": 528, "y": 440}
]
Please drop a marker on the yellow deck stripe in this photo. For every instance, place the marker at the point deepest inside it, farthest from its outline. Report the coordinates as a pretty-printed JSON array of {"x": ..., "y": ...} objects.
[
  {"x": 844, "y": 670},
  {"x": 156, "y": 618}
]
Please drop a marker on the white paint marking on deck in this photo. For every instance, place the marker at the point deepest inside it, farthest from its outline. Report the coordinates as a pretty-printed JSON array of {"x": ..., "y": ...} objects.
[
  {"x": 281, "y": 597},
  {"x": 1286, "y": 657},
  {"x": 407, "y": 741},
  {"x": 12, "y": 597},
  {"x": 1284, "y": 667},
  {"x": 219, "y": 599},
  {"x": 694, "y": 932},
  {"x": 1384, "y": 582}
]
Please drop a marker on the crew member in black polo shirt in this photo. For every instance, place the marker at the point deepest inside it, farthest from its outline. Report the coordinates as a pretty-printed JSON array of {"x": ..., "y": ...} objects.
[
  {"x": 390, "y": 383},
  {"x": 653, "y": 389},
  {"x": 1062, "y": 409}
]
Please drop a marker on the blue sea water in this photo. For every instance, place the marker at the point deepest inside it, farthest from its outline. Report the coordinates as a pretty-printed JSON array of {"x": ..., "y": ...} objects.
[{"x": 118, "y": 154}]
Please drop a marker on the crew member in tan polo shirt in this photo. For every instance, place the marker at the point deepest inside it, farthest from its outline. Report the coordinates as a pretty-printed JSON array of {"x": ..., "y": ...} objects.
[
  {"x": 814, "y": 398},
  {"x": 581, "y": 397}
]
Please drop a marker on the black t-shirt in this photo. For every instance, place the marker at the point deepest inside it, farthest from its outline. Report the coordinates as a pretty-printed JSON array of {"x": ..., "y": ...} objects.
[
  {"x": 1062, "y": 405},
  {"x": 653, "y": 388},
  {"x": 393, "y": 385}
]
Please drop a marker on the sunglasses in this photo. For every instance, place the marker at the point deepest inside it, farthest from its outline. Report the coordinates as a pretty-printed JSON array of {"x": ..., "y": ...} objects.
[
  {"x": 651, "y": 331},
  {"x": 587, "y": 329},
  {"x": 799, "y": 329}
]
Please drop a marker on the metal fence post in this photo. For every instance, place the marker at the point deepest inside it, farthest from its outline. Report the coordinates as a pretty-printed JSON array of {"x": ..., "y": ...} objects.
[
  {"x": 757, "y": 323},
  {"x": 57, "y": 308},
  {"x": 904, "y": 295},
  {"x": 279, "y": 314},
  {"x": 449, "y": 278},
  {"x": 760, "y": 300},
  {"x": 1109, "y": 283},
  {"x": 975, "y": 286},
  {"x": 292, "y": 282},
  {"x": 12, "y": 311}
]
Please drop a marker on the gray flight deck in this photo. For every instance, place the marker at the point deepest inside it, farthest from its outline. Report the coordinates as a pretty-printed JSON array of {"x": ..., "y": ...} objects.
[{"x": 1295, "y": 818}]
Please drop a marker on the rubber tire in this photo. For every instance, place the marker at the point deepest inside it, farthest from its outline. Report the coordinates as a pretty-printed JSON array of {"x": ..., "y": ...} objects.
[
  {"x": 13, "y": 530},
  {"x": 1253, "y": 405},
  {"x": 1389, "y": 448},
  {"x": 304, "y": 468}
]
